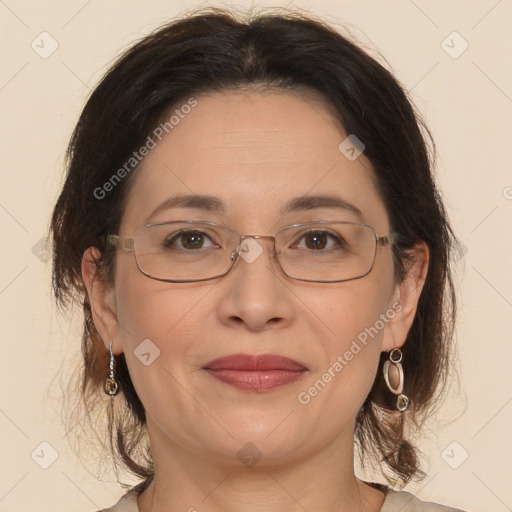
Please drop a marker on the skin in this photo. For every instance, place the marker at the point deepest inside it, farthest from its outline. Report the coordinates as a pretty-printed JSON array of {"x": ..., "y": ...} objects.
[{"x": 255, "y": 150}]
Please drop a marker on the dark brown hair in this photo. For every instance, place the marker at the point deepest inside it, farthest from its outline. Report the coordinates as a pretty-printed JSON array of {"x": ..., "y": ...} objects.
[{"x": 215, "y": 50}]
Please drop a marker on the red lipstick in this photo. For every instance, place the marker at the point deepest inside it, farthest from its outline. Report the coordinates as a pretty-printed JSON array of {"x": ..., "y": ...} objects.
[{"x": 255, "y": 372}]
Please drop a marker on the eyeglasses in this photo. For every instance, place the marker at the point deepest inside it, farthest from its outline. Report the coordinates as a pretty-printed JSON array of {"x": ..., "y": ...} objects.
[{"x": 186, "y": 250}]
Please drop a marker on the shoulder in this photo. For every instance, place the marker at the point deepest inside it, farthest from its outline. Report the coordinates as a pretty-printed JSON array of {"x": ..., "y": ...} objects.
[
  {"x": 406, "y": 502},
  {"x": 128, "y": 501}
]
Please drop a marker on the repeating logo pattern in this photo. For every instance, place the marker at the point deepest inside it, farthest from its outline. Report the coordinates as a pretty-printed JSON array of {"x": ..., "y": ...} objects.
[{"x": 460, "y": 49}]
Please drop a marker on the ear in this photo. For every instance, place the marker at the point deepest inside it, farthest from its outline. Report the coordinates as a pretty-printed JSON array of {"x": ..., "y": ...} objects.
[
  {"x": 405, "y": 298},
  {"x": 102, "y": 300}
]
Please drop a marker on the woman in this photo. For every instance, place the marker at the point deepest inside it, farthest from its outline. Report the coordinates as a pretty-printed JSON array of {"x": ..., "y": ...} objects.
[{"x": 251, "y": 225}]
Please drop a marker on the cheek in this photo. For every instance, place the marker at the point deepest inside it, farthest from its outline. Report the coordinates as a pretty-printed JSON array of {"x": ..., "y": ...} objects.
[
  {"x": 351, "y": 309},
  {"x": 352, "y": 318},
  {"x": 356, "y": 343},
  {"x": 157, "y": 323},
  {"x": 159, "y": 311}
]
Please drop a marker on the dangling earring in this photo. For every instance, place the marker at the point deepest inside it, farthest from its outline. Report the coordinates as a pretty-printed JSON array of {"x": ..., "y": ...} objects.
[
  {"x": 111, "y": 386},
  {"x": 394, "y": 377}
]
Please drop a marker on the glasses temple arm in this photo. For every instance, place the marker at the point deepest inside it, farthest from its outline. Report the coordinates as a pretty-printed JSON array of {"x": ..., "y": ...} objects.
[
  {"x": 122, "y": 243},
  {"x": 387, "y": 239}
]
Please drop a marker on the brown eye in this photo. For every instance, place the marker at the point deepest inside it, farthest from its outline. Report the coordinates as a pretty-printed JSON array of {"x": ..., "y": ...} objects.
[
  {"x": 319, "y": 241},
  {"x": 187, "y": 240},
  {"x": 316, "y": 241}
]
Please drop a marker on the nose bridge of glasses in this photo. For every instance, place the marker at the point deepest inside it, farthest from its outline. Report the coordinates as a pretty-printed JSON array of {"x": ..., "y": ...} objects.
[
  {"x": 258, "y": 237},
  {"x": 250, "y": 248}
]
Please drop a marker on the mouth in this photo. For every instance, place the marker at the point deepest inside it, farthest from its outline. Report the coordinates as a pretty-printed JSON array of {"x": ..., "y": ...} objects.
[{"x": 256, "y": 372}]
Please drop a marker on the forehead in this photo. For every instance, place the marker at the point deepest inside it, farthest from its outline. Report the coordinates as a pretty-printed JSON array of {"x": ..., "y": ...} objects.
[{"x": 255, "y": 151}]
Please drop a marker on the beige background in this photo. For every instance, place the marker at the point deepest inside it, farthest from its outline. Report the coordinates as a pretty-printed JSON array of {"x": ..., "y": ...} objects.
[{"x": 467, "y": 102}]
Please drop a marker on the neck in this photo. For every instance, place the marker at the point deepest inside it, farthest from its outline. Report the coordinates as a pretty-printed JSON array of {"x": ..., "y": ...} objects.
[{"x": 197, "y": 481}]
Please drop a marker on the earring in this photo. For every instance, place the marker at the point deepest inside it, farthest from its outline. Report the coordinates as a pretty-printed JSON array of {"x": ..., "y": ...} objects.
[
  {"x": 394, "y": 377},
  {"x": 111, "y": 386}
]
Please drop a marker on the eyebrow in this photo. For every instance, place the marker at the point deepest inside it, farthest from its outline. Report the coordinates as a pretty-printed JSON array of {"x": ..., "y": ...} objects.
[{"x": 216, "y": 205}]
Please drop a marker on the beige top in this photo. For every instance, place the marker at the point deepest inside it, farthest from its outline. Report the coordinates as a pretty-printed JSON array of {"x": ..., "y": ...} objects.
[{"x": 396, "y": 501}]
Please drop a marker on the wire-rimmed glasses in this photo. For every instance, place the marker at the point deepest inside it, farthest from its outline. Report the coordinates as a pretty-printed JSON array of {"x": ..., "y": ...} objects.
[{"x": 187, "y": 250}]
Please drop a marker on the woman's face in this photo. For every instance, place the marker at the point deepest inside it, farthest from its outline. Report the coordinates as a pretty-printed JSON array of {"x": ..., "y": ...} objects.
[{"x": 254, "y": 152}]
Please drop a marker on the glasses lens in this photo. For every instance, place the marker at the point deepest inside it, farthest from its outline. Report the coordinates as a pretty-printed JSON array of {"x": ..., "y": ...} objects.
[
  {"x": 332, "y": 251},
  {"x": 184, "y": 251}
]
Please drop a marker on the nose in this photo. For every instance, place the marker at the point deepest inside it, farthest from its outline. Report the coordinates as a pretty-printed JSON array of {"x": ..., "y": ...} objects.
[{"x": 255, "y": 294}]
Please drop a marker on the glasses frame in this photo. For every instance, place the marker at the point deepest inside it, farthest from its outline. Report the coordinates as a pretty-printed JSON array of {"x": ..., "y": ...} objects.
[{"x": 128, "y": 244}]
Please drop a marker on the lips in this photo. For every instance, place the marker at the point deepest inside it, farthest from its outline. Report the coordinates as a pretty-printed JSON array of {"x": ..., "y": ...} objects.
[
  {"x": 255, "y": 363},
  {"x": 255, "y": 372}
]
